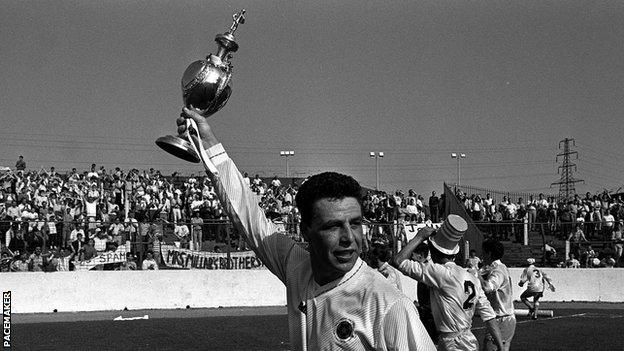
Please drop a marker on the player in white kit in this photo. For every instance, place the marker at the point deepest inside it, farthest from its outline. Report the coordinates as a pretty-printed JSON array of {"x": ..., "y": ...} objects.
[
  {"x": 335, "y": 301},
  {"x": 455, "y": 293},
  {"x": 536, "y": 281},
  {"x": 496, "y": 282}
]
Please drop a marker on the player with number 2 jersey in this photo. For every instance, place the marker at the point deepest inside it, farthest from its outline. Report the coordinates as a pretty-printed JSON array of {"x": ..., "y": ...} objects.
[{"x": 456, "y": 294}]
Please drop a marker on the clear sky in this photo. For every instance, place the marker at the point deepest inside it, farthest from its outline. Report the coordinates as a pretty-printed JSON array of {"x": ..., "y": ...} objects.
[{"x": 503, "y": 81}]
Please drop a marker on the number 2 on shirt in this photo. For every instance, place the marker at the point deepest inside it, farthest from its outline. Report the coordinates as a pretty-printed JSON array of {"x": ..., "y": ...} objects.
[{"x": 469, "y": 289}]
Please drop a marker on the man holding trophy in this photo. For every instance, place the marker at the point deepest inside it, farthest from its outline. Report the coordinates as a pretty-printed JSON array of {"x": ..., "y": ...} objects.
[{"x": 335, "y": 300}]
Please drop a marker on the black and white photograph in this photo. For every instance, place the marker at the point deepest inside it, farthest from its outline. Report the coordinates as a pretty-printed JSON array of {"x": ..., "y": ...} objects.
[{"x": 312, "y": 175}]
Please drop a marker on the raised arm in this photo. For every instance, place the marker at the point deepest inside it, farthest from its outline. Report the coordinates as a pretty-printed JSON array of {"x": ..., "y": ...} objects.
[
  {"x": 406, "y": 252},
  {"x": 239, "y": 202},
  {"x": 430, "y": 273}
]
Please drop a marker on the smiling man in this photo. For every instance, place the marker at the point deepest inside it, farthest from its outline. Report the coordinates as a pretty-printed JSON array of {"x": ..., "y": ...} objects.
[{"x": 335, "y": 300}]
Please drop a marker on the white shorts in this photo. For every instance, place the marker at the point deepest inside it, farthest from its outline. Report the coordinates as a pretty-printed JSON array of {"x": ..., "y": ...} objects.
[
  {"x": 463, "y": 340},
  {"x": 507, "y": 327}
]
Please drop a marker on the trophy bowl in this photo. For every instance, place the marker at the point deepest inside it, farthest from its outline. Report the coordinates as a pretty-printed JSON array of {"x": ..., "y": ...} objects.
[{"x": 206, "y": 88}]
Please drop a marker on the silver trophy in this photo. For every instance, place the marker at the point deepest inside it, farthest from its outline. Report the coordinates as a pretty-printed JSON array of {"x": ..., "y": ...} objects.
[{"x": 205, "y": 87}]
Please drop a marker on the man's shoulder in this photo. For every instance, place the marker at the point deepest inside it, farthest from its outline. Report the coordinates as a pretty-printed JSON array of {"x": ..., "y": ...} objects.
[
  {"x": 378, "y": 286},
  {"x": 499, "y": 268}
]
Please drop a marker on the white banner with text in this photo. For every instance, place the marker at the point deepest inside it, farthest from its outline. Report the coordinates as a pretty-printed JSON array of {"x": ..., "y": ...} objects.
[{"x": 175, "y": 257}]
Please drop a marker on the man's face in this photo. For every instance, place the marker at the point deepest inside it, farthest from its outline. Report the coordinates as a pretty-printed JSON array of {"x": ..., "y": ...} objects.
[{"x": 335, "y": 237}]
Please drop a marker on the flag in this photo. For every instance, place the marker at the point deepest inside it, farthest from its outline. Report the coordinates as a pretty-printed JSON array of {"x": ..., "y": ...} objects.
[{"x": 473, "y": 235}]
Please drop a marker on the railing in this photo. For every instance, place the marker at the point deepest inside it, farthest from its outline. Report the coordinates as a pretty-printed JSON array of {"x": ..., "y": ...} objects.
[
  {"x": 497, "y": 195},
  {"x": 140, "y": 237}
]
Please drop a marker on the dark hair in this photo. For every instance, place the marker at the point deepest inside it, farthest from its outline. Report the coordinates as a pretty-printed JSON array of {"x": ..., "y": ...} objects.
[
  {"x": 437, "y": 255},
  {"x": 422, "y": 249},
  {"x": 381, "y": 252},
  {"x": 494, "y": 248},
  {"x": 327, "y": 185}
]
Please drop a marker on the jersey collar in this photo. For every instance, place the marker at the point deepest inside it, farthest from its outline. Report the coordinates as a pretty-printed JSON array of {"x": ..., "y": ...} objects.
[{"x": 342, "y": 280}]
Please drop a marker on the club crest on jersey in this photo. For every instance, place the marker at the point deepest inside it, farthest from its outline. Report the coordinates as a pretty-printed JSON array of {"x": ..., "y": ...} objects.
[{"x": 344, "y": 329}]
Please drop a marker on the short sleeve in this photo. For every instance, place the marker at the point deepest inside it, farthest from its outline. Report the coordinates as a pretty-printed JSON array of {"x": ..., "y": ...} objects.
[
  {"x": 430, "y": 273},
  {"x": 403, "y": 330}
]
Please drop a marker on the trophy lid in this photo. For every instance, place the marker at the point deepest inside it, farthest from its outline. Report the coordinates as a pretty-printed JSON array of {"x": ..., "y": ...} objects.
[{"x": 226, "y": 41}]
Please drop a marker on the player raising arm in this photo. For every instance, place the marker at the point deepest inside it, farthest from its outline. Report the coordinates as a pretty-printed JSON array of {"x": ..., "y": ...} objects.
[
  {"x": 455, "y": 293},
  {"x": 335, "y": 300},
  {"x": 496, "y": 282},
  {"x": 536, "y": 281}
]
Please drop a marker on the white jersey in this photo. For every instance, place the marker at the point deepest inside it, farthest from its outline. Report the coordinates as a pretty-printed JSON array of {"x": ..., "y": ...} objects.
[
  {"x": 535, "y": 279},
  {"x": 359, "y": 311},
  {"x": 498, "y": 288},
  {"x": 455, "y": 294},
  {"x": 392, "y": 275}
]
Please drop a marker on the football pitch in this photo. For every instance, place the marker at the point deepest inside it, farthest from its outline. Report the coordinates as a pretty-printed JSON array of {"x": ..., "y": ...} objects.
[{"x": 575, "y": 326}]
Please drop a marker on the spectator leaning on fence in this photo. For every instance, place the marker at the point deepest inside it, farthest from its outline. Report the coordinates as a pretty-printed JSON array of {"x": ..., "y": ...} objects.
[
  {"x": 37, "y": 260},
  {"x": 61, "y": 261},
  {"x": 129, "y": 264},
  {"x": 5, "y": 262},
  {"x": 589, "y": 256},
  {"x": 22, "y": 264},
  {"x": 149, "y": 263},
  {"x": 572, "y": 262}
]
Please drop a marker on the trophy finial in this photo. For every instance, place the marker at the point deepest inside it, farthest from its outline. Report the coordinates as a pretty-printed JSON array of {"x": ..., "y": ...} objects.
[{"x": 237, "y": 18}]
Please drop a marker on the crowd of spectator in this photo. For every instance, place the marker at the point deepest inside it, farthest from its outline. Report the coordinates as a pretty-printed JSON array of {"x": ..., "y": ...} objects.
[
  {"x": 46, "y": 216},
  {"x": 51, "y": 220},
  {"x": 597, "y": 219},
  {"x": 381, "y": 207}
]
